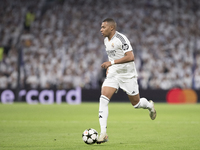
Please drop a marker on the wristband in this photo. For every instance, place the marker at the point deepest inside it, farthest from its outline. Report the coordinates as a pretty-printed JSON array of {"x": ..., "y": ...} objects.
[{"x": 112, "y": 62}]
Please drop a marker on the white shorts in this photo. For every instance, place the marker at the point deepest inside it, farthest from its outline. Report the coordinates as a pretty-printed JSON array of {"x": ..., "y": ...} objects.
[{"x": 130, "y": 86}]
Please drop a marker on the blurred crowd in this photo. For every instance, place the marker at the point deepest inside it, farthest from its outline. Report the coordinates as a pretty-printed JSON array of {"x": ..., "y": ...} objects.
[{"x": 59, "y": 43}]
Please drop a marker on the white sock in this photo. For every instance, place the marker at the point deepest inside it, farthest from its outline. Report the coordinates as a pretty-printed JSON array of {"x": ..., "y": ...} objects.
[
  {"x": 103, "y": 112},
  {"x": 144, "y": 103}
]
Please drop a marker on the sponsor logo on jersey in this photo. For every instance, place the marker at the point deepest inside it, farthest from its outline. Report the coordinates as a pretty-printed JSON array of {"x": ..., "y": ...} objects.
[{"x": 111, "y": 53}]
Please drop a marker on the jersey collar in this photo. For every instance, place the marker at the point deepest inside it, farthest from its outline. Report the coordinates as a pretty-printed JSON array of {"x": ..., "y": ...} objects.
[{"x": 114, "y": 35}]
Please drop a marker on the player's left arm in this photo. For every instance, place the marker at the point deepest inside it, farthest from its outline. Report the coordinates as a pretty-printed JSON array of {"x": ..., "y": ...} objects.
[{"x": 128, "y": 57}]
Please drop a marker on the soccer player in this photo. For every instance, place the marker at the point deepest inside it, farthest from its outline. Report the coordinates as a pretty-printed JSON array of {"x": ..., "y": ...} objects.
[{"x": 121, "y": 73}]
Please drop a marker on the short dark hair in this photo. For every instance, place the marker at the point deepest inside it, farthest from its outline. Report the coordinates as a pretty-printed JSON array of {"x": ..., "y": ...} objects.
[{"x": 110, "y": 20}]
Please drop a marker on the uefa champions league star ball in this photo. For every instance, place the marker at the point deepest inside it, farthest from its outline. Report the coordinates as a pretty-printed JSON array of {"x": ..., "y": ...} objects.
[{"x": 90, "y": 136}]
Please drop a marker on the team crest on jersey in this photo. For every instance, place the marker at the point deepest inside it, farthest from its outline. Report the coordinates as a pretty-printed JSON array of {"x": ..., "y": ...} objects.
[
  {"x": 112, "y": 45},
  {"x": 125, "y": 46}
]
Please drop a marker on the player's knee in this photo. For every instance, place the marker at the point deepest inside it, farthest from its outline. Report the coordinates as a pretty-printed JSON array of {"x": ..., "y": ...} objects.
[
  {"x": 106, "y": 95},
  {"x": 108, "y": 92},
  {"x": 134, "y": 103},
  {"x": 134, "y": 99}
]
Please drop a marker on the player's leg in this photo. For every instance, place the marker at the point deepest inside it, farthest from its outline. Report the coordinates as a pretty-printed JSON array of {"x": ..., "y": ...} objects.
[
  {"x": 138, "y": 102},
  {"x": 131, "y": 88},
  {"x": 109, "y": 87},
  {"x": 106, "y": 94},
  {"x": 104, "y": 100}
]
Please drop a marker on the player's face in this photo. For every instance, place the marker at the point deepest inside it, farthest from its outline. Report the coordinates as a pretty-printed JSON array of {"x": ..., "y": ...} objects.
[{"x": 105, "y": 29}]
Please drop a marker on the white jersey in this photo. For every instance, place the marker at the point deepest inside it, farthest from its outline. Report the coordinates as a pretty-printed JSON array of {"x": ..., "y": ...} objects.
[{"x": 116, "y": 49}]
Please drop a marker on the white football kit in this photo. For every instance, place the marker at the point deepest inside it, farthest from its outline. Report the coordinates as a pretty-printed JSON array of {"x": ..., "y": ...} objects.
[{"x": 120, "y": 75}]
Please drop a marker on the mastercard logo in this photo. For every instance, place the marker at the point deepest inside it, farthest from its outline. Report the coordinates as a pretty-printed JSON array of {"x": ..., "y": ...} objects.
[{"x": 182, "y": 96}]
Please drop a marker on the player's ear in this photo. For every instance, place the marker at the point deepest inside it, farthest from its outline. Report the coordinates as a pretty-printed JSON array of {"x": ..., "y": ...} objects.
[{"x": 112, "y": 27}]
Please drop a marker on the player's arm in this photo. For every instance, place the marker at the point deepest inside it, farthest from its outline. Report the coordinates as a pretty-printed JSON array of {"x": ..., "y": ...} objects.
[{"x": 129, "y": 56}]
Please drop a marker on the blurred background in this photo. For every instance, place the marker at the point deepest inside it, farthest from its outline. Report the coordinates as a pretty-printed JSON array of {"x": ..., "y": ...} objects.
[{"x": 57, "y": 44}]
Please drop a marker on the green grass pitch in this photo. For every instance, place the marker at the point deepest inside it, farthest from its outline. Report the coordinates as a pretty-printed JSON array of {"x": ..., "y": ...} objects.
[{"x": 59, "y": 127}]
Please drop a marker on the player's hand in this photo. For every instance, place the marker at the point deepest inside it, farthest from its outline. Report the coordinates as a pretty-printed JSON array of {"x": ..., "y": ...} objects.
[{"x": 106, "y": 64}]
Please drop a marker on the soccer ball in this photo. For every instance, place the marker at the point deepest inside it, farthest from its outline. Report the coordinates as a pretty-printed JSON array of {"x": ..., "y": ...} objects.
[{"x": 90, "y": 136}]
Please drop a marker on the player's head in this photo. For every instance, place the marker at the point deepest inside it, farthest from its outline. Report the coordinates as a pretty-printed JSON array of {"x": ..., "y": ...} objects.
[{"x": 108, "y": 27}]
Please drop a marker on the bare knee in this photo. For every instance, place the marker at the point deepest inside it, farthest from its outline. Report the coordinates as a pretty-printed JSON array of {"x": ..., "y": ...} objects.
[{"x": 108, "y": 91}]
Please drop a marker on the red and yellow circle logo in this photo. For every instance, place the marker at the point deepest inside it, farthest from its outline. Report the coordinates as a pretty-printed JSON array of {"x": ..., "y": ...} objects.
[{"x": 181, "y": 96}]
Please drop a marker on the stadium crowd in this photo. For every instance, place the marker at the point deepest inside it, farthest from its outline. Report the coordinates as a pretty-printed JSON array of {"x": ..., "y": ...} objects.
[{"x": 61, "y": 44}]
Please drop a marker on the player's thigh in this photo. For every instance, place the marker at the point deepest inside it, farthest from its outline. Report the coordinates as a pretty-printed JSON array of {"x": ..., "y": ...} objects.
[
  {"x": 109, "y": 87},
  {"x": 130, "y": 86}
]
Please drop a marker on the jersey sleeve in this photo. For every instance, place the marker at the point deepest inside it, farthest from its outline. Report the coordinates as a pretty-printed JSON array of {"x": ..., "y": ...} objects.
[{"x": 124, "y": 44}]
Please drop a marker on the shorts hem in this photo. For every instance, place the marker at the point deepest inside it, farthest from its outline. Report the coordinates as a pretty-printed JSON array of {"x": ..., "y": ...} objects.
[{"x": 132, "y": 94}]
